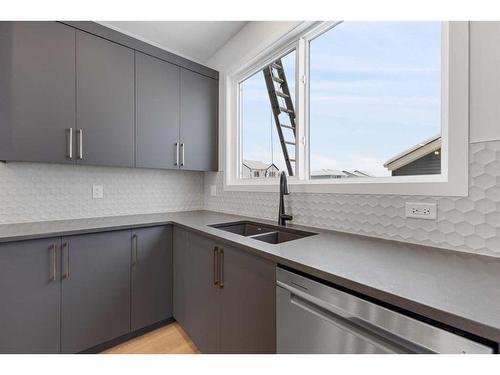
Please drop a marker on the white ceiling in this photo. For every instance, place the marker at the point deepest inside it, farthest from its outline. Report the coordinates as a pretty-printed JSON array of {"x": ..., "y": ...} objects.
[{"x": 195, "y": 40}]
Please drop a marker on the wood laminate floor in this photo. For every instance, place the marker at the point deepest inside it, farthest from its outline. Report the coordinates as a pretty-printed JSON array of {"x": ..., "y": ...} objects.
[{"x": 170, "y": 339}]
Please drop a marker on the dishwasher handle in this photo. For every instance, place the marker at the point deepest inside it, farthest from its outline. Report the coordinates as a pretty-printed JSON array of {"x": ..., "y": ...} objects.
[{"x": 351, "y": 324}]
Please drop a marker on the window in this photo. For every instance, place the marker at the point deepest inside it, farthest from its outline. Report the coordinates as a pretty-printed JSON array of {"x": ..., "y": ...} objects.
[
  {"x": 375, "y": 100},
  {"x": 260, "y": 142},
  {"x": 357, "y": 107},
  {"x": 256, "y": 173}
]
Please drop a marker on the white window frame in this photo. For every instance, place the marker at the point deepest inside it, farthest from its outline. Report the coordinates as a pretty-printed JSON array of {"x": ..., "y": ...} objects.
[{"x": 453, "y": 180}]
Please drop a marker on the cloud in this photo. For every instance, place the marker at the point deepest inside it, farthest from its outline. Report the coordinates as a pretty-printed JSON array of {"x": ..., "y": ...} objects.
[
  {"x": 392, "y": 101},
  {"x": 326, "y": 63},
  {"x": 379, "y": 48},
  {"x": 376, "y": 85}
]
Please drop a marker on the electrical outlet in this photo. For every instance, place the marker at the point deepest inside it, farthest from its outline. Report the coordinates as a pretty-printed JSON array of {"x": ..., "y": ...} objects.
[
  {"x": 97, "y": 191},
  {"x": 213, "y": 190},
  {"x": 421, "y": 210}
]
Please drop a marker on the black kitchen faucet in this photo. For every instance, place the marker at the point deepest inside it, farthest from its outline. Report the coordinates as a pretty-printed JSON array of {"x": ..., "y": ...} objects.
[{"x": 282, "y": 217}]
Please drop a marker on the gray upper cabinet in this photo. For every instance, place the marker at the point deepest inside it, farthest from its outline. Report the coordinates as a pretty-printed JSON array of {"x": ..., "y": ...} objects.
[
  {"x": 70, "y": 96},
  {"x": 151, "y": 276},
  {"x": 196, "y": 299},
  {"x": 157, "y": 112},
  {"x": 198, "y": 134},
  {"x": 30, "y": 296},
  {"x": 37, "y": 91},
  {"x": 95, "y": 289},
  {"x": 248, "y": 303},
  {"x": 104, "y": 102}
]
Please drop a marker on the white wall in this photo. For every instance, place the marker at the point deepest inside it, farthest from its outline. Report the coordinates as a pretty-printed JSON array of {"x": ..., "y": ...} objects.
[
  {"x": 249, "y": 41},
  {"x": 485, "y": 81},
  {"x": 470, "y": 224}
]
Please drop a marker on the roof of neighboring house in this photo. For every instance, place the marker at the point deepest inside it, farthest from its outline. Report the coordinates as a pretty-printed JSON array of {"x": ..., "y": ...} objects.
[
  {"x": 338, "y": 172},
  {"x": 254, "y": 164},
  {"x": 357, "y": 173},
  {"x": 328, "y": 172},
  {"x": 362, "y": 173},
  {"x": 413, "y": 153}
]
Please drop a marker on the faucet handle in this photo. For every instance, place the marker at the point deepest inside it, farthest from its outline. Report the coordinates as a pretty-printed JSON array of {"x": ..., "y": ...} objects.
[{"x": 284, "y": 184}]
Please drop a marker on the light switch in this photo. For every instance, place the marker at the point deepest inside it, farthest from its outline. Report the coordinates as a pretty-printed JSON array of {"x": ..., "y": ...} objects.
[{"x": 97, "y": 191}]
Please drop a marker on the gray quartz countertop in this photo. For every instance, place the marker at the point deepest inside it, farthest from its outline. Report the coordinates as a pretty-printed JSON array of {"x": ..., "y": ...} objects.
[{"x": 457, "y": 289}]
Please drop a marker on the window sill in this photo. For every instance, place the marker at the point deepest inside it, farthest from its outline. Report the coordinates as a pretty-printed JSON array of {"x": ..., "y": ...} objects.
[{"x": 401, "y": 185}]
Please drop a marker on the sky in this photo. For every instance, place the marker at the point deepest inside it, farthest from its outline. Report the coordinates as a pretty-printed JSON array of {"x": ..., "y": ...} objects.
[{"x": 375, "y": 91}]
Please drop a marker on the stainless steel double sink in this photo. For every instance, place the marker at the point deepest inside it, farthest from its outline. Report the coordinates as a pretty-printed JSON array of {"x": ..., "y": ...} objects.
[{"x": 263, "y": 232}]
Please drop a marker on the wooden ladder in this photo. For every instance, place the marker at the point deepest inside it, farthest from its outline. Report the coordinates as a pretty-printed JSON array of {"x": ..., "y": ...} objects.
[{"x": 281, "y": 102}]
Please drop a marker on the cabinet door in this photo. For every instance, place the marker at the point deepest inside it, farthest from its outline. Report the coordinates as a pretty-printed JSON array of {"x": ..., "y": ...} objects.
[
  {"x": 196, "y": 302},
  {"x": 95, "y": 289},
  {"x": 248, "y": 303},
  {"x": 30, "y": 296},
  {"x": 198, "y": 133},
  {"x": 157, "y": 112},
  {"x": 151, "y": 276},
  {"x": 37, "y": 91},
  {"x": 105, "y": 101}
]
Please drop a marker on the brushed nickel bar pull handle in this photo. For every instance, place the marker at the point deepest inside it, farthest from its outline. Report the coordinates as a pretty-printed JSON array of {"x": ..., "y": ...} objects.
[
  {"x": 221, "y": 268},
  {"x": 134, "y": 250},
  {"x": 53, "y": 268},
  {"x": 80, "y": 143},
  {"x": 216, "y": 265},
  {"x": 182, "y": 160},
  {"x": 65, "y": 247},
  {"x": 70, "y": 143},
  {"x": 176, "y": 154}
]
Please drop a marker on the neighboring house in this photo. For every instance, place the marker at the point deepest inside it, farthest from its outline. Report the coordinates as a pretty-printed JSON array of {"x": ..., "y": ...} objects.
[
  {"x": 258, "y": 169},
  {"x": 424, "y": 158},
  {"x": 327, "y": 173},
  {"x": 336, "y": 173}
]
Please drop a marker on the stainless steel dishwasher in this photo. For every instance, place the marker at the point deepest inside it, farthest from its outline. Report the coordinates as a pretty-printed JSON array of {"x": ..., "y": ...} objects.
[{"x": 316, "y": 318}]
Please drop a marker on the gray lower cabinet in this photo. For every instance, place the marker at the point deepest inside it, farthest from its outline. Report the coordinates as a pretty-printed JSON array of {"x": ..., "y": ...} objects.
[
  {"x": 104, "y": 102},
  {"x": 196, "y": 299},
  {"x": 37, "y": 91},
  {"x": 157, "y": 112},
  {"x": 198, "y": 130},
  {"x": 237, "y": 316},
  {"x": 72, "y": 293},
  {"x": 151, "y": 294},
  {"x": 95, "y": 289},
  {"x": 247, "y": 304},
  {"x": 30, "y": 296}
]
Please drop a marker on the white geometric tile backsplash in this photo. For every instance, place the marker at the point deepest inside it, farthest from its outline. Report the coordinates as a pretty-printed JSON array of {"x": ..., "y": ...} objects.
[
  {"x": 39, "y": 192},
  {"x": 470, "y": 224}
]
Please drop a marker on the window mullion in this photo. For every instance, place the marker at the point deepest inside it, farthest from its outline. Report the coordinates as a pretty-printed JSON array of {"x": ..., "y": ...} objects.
[{"x": 301, "y": 100}]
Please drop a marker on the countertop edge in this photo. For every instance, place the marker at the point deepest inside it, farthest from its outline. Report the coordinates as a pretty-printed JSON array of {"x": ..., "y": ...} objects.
[{"x": 60, "y": 233}]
